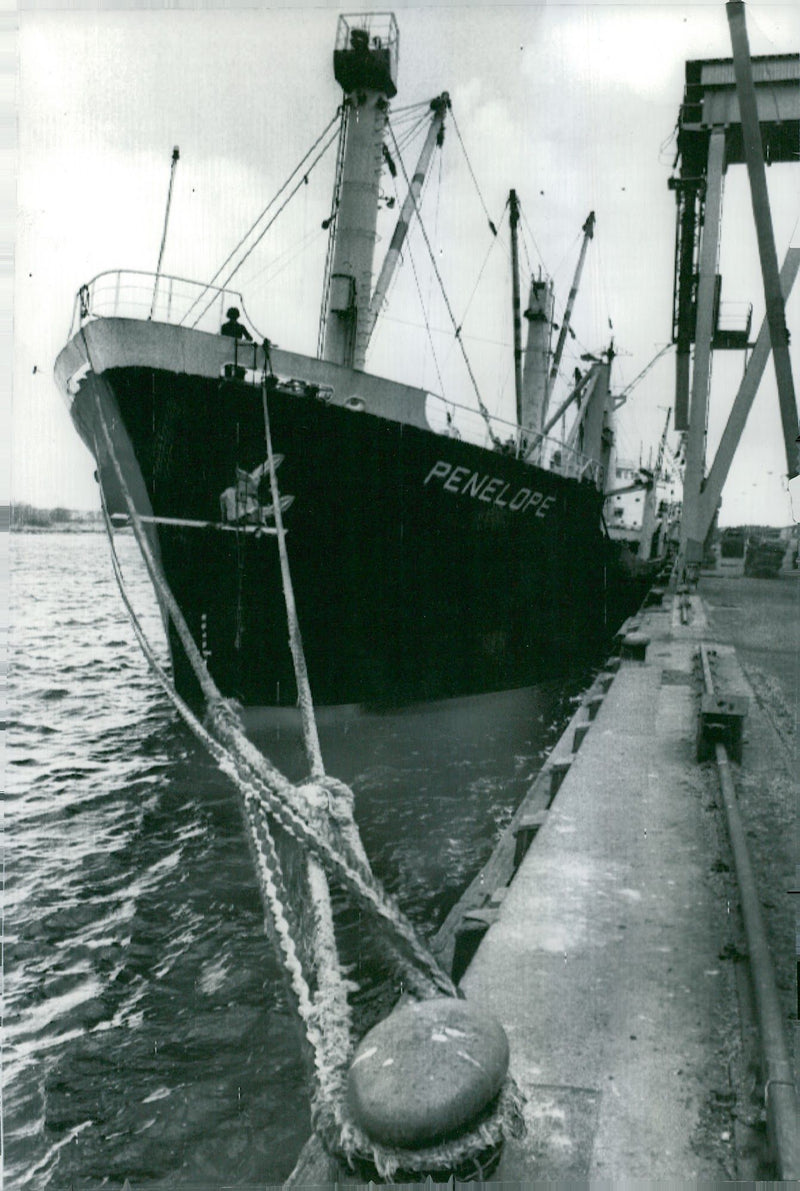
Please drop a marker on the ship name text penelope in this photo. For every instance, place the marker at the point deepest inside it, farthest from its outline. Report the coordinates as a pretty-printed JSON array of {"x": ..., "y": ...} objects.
[{"x": 491, "y": 489}]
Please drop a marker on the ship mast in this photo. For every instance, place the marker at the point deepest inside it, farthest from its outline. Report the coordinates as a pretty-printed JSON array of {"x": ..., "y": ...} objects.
[
  {"x": 365, "y": 65},
  {"x": 513, "y": 214},
  {"x": 539, "y": 315}
]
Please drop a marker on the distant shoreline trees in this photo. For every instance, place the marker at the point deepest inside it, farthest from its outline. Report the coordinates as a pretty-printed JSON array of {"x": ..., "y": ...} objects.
[{"x": 29, "y": 517}]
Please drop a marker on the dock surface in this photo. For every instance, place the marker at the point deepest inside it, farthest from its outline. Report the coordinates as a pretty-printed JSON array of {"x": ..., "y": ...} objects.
[
  {"x": 614, "y": 955},
  {"x": 610, "y": 960}
]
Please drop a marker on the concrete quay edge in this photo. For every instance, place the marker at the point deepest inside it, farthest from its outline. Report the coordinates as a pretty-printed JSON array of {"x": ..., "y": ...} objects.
[{"x": 603, "y": 963}]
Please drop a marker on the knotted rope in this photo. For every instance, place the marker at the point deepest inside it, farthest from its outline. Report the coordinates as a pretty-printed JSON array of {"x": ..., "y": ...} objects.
[{"x": 317, "y": 817}]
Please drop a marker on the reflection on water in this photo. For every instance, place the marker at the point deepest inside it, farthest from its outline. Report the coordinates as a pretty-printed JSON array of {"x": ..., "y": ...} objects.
[{"x": 147, "y": 1032}]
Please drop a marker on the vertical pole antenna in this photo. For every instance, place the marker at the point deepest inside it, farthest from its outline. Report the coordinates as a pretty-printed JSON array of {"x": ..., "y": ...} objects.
[
  {"x": 176, "y": 153},
  {"x": 514, "y": 220}
]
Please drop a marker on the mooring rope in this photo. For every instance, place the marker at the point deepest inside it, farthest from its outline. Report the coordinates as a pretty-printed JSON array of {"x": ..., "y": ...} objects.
[
  {"x": 304, "y": 699},
  {"x": 266, "y": 861},
  {"x": 318, "y": 817},
  {"x": 288, "y": 803},
  {"x": 326, "y": 1017}
]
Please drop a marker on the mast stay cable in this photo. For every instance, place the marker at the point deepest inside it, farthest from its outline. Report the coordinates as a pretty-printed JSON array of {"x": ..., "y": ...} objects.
[
  {"x": 492, "y": 227},
  {"x": 263, "y": 232},
  {"x": 258, "y": 219},
  {"x": 428, "y": 330},
  {"x": 496, "y": 443},
  {"x": 482, "y": 270}
]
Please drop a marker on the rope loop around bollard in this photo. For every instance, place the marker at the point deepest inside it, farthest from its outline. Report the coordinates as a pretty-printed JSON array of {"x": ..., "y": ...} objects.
[
  {"x": 329, "y": 835},
  {"x": 468, "y": 1157}
]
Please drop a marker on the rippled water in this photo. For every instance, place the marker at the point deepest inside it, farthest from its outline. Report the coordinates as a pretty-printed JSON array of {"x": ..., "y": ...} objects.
[{"x": 147, "y": 1032}]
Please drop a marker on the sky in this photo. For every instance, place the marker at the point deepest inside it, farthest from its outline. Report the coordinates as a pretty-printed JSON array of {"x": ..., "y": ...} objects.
[{"x": 572, "y": 105}]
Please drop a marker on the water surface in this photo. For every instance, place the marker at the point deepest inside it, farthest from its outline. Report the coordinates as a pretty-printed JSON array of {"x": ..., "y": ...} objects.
[{"x": 148, "y": 1036}]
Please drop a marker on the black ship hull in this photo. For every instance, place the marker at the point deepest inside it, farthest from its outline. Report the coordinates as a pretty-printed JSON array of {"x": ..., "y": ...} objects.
[{"x": 423, "y": 566}]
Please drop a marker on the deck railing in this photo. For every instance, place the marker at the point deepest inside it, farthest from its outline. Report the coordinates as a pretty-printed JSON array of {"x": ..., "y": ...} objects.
[
  {"x": 461, "y": 421},
  {"x": 133, "y": 293},
  {"x": 136, "y": 294}
]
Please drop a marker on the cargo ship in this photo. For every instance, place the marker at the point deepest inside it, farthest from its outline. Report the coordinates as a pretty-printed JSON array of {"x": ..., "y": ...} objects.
[{"x": 435, "y": 550}]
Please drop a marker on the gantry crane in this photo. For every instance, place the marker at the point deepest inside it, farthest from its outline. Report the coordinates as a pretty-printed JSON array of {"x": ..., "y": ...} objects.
[{"x": 735, "y": 111}]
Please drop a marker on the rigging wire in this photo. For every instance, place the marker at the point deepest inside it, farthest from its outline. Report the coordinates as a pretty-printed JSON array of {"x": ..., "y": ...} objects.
[
  {"x": 417, "y": 284},
  {"x": 490, "y": 250},
  {"x": 436, "y": 238},
  {"x": 330, "y": 225},
  {"x": 535, "y": 245},
  {"x": 263, "y": 232},
  {"x": 651, "y": 364},
  {"x": 670, "y": 139},
  {"x": 408, "y": 117},
  {"x": 411, "y": 134},
  {"x": 427, "y": 325},
  {"x": 256, "y": 221},
  {"x": 472, "y": 175},
  {"x": 281, "y": 262},
  {"x": 502, "y": 388},
  {"x": 410, "y": 107},
  {"x": 528, "y": 261},
  {"x": 175, "y": 159},
  {"x": 794, "y": 229},
  {"x": 484, "y": 411},
  {"x": 448, "y": 331},
  {"x": 410, "y": 128},
  {"x": 602, "y": 273},
  {"x": 568, "y": 252}
]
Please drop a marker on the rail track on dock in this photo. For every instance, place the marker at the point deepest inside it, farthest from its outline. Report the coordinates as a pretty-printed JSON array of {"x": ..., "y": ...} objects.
[{"x": 720, "y": 737}]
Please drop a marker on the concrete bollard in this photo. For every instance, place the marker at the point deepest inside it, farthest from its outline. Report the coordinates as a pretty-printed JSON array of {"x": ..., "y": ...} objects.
[
  {"x": 427, "y": 1072},
  {"x": 634, "y": 647},
  {"x": 593, "y": 705}
]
